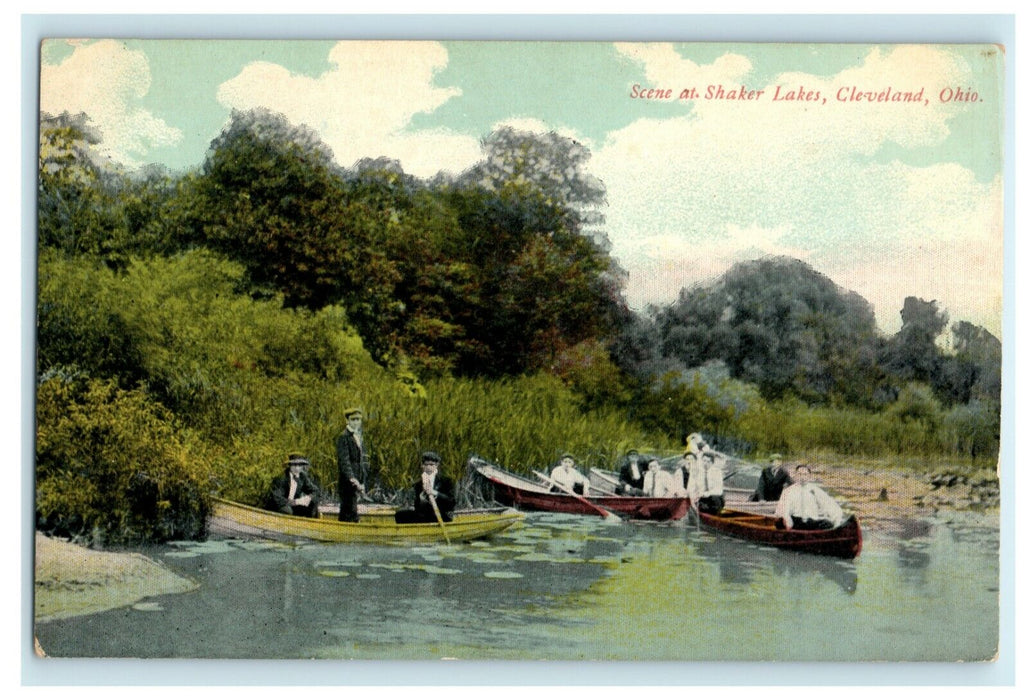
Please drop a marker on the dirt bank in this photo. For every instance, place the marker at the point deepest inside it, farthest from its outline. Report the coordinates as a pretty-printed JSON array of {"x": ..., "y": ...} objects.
[
  {"x": 72, "y": 580},
  {"x": 894, "y": 501}
]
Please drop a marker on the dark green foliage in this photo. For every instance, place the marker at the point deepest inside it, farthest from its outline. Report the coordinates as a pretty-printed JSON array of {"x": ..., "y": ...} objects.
[
  {"x": 80, "y": 324},
  {"x": 545, "y": 283},
  {"x": 112, "y": 466},
  {"x": 79, "y": 210},
  {"x": 912, "y": 354},
  {"x": 588, "y": 370},
  {"x": 268, "y": 196},
  {"x": 678, "y": 408},
  {"x": 781, "y": 325},
  {"x": 973, "y": 372}
]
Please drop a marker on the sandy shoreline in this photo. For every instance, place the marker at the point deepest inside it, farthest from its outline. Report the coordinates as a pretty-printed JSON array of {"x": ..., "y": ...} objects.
[{"x": 73, "y": 580}]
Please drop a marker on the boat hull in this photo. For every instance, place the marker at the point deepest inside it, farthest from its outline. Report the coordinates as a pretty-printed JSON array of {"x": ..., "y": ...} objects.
[
  {"x": 843, "y": 542},
  {"x": 517, "y": 491},
  {"x": 230, "y": 519}
]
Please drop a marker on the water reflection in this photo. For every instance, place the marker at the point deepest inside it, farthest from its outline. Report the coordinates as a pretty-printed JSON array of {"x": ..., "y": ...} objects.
[{"x": 739, "y": 562}]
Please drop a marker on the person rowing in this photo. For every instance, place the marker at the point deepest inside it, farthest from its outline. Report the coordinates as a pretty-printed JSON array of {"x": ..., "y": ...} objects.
[
  {"x": 566, "y": 475},
  {"x": 434, "y": 497}
]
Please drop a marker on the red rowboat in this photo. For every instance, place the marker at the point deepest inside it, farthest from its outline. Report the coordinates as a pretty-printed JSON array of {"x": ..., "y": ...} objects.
[
  {"x": 843, "y": 542},
  {"x": 512, "y": 489}
]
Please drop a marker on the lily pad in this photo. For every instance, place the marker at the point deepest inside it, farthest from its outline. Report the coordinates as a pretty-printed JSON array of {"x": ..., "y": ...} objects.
[{"x": 502, "y": 574}]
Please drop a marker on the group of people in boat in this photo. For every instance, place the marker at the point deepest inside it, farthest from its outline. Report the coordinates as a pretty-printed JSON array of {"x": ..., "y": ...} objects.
[
  {"x": 296, "y": 492},
  {"x": 698, "y": 475}
]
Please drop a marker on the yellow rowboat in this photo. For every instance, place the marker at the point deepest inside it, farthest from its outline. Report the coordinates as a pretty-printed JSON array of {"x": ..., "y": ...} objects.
[{"x": 231, "y": 519}]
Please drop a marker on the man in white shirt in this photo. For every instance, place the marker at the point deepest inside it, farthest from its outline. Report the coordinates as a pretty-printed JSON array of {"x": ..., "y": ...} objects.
[
  {"x": 705, "y": 488},
  {"x": 805, "y": 506},
  {"x": 657, "y": 483},
  {"x": 565, "y": 474}
]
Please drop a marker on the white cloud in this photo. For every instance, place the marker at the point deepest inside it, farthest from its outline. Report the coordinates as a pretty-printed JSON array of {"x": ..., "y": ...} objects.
[
  {"x": 106, "y": 80},
  {"x": 364, "y": 103},
  {"x": 690, "y": 195},
  {"x": 666, "y": 69}
]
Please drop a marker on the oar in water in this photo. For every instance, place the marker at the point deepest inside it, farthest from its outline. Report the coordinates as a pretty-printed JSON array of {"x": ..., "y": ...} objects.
[
  {"x": 439, "y": 517},
  {"x": 606, "y": 514}
]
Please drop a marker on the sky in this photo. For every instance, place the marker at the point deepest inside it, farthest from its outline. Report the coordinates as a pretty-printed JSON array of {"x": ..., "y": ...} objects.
[{"x": 889, "y": 199}]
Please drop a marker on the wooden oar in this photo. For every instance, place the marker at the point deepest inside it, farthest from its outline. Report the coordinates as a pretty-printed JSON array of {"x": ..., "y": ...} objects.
[
  {"x": 606, "y": 514},
  {"x": 439, "y": 517}
]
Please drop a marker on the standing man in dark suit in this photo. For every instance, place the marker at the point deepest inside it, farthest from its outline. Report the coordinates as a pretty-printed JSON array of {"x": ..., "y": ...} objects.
[
  {"x": 774, "y": 478},
  {"x": 352, "y": 460}
]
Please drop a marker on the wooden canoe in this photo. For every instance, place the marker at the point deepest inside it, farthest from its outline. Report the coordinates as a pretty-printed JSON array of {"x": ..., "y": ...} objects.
[
  {"x": 231, "y": 519},
  {"x": 843, "y": 542},
  {"x": 512, "y": 489}
]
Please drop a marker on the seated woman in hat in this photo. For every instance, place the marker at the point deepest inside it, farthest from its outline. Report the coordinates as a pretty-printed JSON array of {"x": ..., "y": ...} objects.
[{"x": 294, "y": 492}]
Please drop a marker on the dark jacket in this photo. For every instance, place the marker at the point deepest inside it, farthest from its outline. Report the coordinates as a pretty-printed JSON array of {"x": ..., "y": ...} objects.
[
  {"x": 278, "y": 495},
  {"x": 771, "y": 484},
  {"x": 351, "y": 459},
  {"x": 625, "y": 473},
  {"x": 352, "y": 462},
  {"x": 445, "y": 500}
]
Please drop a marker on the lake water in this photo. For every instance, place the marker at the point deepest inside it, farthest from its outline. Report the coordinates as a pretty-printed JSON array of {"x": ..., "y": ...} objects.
[{"x": 566, "y": 587}]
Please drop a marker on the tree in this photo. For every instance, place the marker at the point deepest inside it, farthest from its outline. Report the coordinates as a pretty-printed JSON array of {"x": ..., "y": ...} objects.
[
  {"x": 976, "y": 345},
  {"x": 77, "y": 190},
  {"x": 781, "y": 325},
  {"x": 269, "y": 196},
  {"x": 912, "y": 354},
  {"x": 545, "y": 285}
]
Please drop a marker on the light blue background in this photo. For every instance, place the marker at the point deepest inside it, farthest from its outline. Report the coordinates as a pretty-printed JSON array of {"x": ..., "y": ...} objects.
[{"x": 678, "y": 28}]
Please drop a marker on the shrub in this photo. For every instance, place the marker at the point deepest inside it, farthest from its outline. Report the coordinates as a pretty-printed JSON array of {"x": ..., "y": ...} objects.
[{"x": 111, "y": 466}]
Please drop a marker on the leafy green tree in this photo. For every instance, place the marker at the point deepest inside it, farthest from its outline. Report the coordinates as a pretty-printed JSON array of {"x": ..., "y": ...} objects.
[
  {"x": 545, "y": 281},
  {"x": 270, "y": 197},
  {"x": 976, "y": 346},
  {"x": 587, "y": 368},
  {"x": 781, "y": 325},
  {"x": 80, "y": 321},
  {"x": 677, "y": 406},
  {"x": 77, "y": 190},
  {"x": 912, "y": 354}
]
